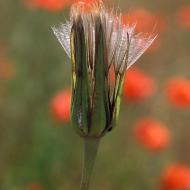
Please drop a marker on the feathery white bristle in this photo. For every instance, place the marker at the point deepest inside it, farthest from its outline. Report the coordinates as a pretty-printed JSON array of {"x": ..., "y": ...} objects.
[{"x": 123, "y": 46}]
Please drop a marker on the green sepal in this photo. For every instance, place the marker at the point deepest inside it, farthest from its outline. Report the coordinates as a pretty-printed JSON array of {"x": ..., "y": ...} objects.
[
  {"x": 116, "y": 108},
  {"x": 80, "y": 104},
  {"x": 100, "y": 105}
]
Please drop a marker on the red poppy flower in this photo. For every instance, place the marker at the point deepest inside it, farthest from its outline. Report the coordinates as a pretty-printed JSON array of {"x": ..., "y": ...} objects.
[
  {"x": 60, "y": 106},
  {"x": 138, "y": 85},
  {"x": 112, "y": 76},
  {"x": 176, "y": 177},
  {"x": 152, "y": 134},
  {"x": 34, "y": 186},
  {"x": 161, "y": 22},
  {"x": 145, "y": 20},
  {"x": 7, "y": 69},
  {"x": 50, "y": 5},
  {"x": 183, "y": 16},
  {"x": 178, "y": 92}
]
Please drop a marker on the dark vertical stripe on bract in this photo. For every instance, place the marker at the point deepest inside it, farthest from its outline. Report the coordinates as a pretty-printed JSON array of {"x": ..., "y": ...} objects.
[
  {"x": 80, "y": 101},
  {"x": 100, "y": 102}
]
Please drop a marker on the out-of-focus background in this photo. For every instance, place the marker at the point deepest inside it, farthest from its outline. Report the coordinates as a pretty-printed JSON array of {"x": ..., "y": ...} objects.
[{"x": 39, "y": 149}]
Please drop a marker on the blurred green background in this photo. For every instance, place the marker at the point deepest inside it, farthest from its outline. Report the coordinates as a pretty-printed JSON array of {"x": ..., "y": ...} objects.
[{"x": 35, "y": 149}]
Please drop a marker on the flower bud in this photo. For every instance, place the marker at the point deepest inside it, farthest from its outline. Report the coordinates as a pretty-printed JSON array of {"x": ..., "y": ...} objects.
[{"x": 96, "y": 41}]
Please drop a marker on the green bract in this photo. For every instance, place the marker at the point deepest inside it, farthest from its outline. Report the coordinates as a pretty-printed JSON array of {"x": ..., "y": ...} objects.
[{"x": 91, "y": 109}]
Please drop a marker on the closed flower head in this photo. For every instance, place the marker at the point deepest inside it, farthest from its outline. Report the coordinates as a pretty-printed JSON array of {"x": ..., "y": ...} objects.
[{"x": 95, "y": 39}]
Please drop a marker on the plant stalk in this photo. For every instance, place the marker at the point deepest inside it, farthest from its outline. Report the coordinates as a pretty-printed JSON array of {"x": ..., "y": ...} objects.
[{"x": 90, "y": 152}]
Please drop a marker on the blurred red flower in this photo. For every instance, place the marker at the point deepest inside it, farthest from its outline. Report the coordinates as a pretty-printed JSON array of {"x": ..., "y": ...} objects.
[
  {"x": 60, "y": 106},
  {"x": 112, "y": 76},
  {"x": 147, "y": 21},
  {"x": 176, "y": 177},
  {"x": 50, "y": 5},
  {"x": 183, "y": 16},
  {"x": 152, "y": 134},
  {"x": 143, "y": 18},
  {"x": 138, "y": 85},
  {"x": 34, "y": 186},
  {"x": 178, "y": 92},
  {"x": 7, "y": 69}
]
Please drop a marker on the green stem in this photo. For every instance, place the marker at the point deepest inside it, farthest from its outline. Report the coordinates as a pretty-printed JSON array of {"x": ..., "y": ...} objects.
[{"x": 90, "y": 152}]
